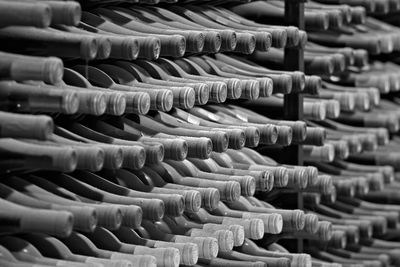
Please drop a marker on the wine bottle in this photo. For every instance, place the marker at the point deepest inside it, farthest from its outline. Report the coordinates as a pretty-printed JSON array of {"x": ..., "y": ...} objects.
[
  {"x": 17, "y": 218},
  {"x": 17, "y": 154},
  {"x": 53, "y": 248},
  {"x": 107, "y": 216},
  {"x": 49, "y": 42},
  {"x": 22, "y": 68},
  {"x": 85, "y": 218},
  {"x": 26, "y": 126}
]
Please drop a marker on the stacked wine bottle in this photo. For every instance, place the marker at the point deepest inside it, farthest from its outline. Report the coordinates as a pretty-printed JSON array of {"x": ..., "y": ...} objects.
[{"x": 138, "y": 134}]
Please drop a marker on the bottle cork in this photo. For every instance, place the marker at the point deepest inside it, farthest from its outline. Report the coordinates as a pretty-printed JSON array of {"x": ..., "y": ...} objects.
[
  {"x": 220, "y": 141},
  {"x": 353, "y": 142},
  {"x": 268, "y": 133},
  {"x": 184, "y": 97},
  {"x": 293, "y": 36},
  {"x": 267, "y": 183},
  {"x": 91, "y": 102},
  {"x": 352, "y": 232},
  {"x": 209, "y": 197},
  {"x": 338, "y": 240},
  {"x": 175, "y": 46},
  {"x": 341, "y": 148},
  {"x": 252, "y": 136},
  {"x": 348, "y": 53},
  {"x": 263, "y": 40},
  {"x": 281, "y": 175},
  {"x": 250, "y": 89},
  {"x": 285, "y": 135},
  {"x": 85, "y": 218},
  {"x": 237, "y": 230},
  {"x": 228, "y": 190},
  {"x": 325, "y": 153},
  {"x": 361, "y": 186},
  {"x": 297, "y": 178},
  {"x": 321, "y": 65},
  {"x": 315, "y": 136},
  {"x": 134, "y": 157},
  {"x": 312, "y": 174},
  {"x": 303, "y": 39},
  {"x": 149, "y": 48},
  {"x": 360, "y": 57},
  {"x": 247, "y": 184},
  {"x": 302, "y": 259},
  {"x": 203, "y": 93},
  {"x": 358, "y": 14},
  {"x": 273, "y": 222},
  {"x": 109, "y": 216},
  {"x": 164, "y": 100},
  {"x": 266, "y": 86},
  {"x": 279, "y": 37},
  {"x": 92, "y": 261},
  {"x": 208, "y": 246},
  {"x": 317, "y": 20},
  {"x": 236, "y": 137},
  {"x": 224, "y": 237},
  {"x": 253, "y": 228},
  {"x": 195, "y": 41},
  {"x": 66, "y": 13},
  {"x": 153, "y": 209},
  {"x": 198, "y": 147},
  {"x": 282, "y": 83},
  {"x": 192, "y": 200},
  {"x": 229, "y": 40},
  {"x": 293, "y": 220},
  {"x": 324, "y": 231},
  {"x": 89, "y": 158},
  {"x": 113, "y": 155},
  {"x": 394, "y": 82},
  {"x": 332, "y": 108},
  {"x": 189, "y": 252},
  {"x": 131, "y": 215},
  {"x": 218, "y": 92},
  {"x": 234, "y": 87},
  {"x": 347, "y": 101},
  {"x": 336, "y": 18},
  {"x": 116, "y": 103},
  {"x": 212, "y": 42},
  {"x": 345, "y": 188},
  {"x": 311, "y": 223},
  {"x": 324, "y": 184},
  {"x": 330, "y": 197},
  {"x": 124, "y": 47},
  {"x": 175, "y": 149},
  {"x": 154, "y": 153},
  {"x": 246, "y": 43},
  {"x": 136, "y": 260},
  {"x": 168, "y": 257},
  {"x": 64, "y": 159},
  {"x": 315, "y": 110}
]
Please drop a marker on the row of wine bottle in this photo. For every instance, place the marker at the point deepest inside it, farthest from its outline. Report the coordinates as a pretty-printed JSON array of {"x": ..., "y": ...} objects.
[{"x": 133, "y": 159}]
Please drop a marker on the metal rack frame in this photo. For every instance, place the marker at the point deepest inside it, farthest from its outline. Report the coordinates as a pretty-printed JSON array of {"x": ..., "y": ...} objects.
[{"x": 293, "y": 103}]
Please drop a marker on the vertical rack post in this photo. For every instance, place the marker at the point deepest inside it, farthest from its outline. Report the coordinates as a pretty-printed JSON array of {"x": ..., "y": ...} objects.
[{"x": 293, "y": 103}]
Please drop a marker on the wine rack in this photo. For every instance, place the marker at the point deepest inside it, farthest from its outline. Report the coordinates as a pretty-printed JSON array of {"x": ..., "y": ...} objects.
[{"x": 199, "y": 133}]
